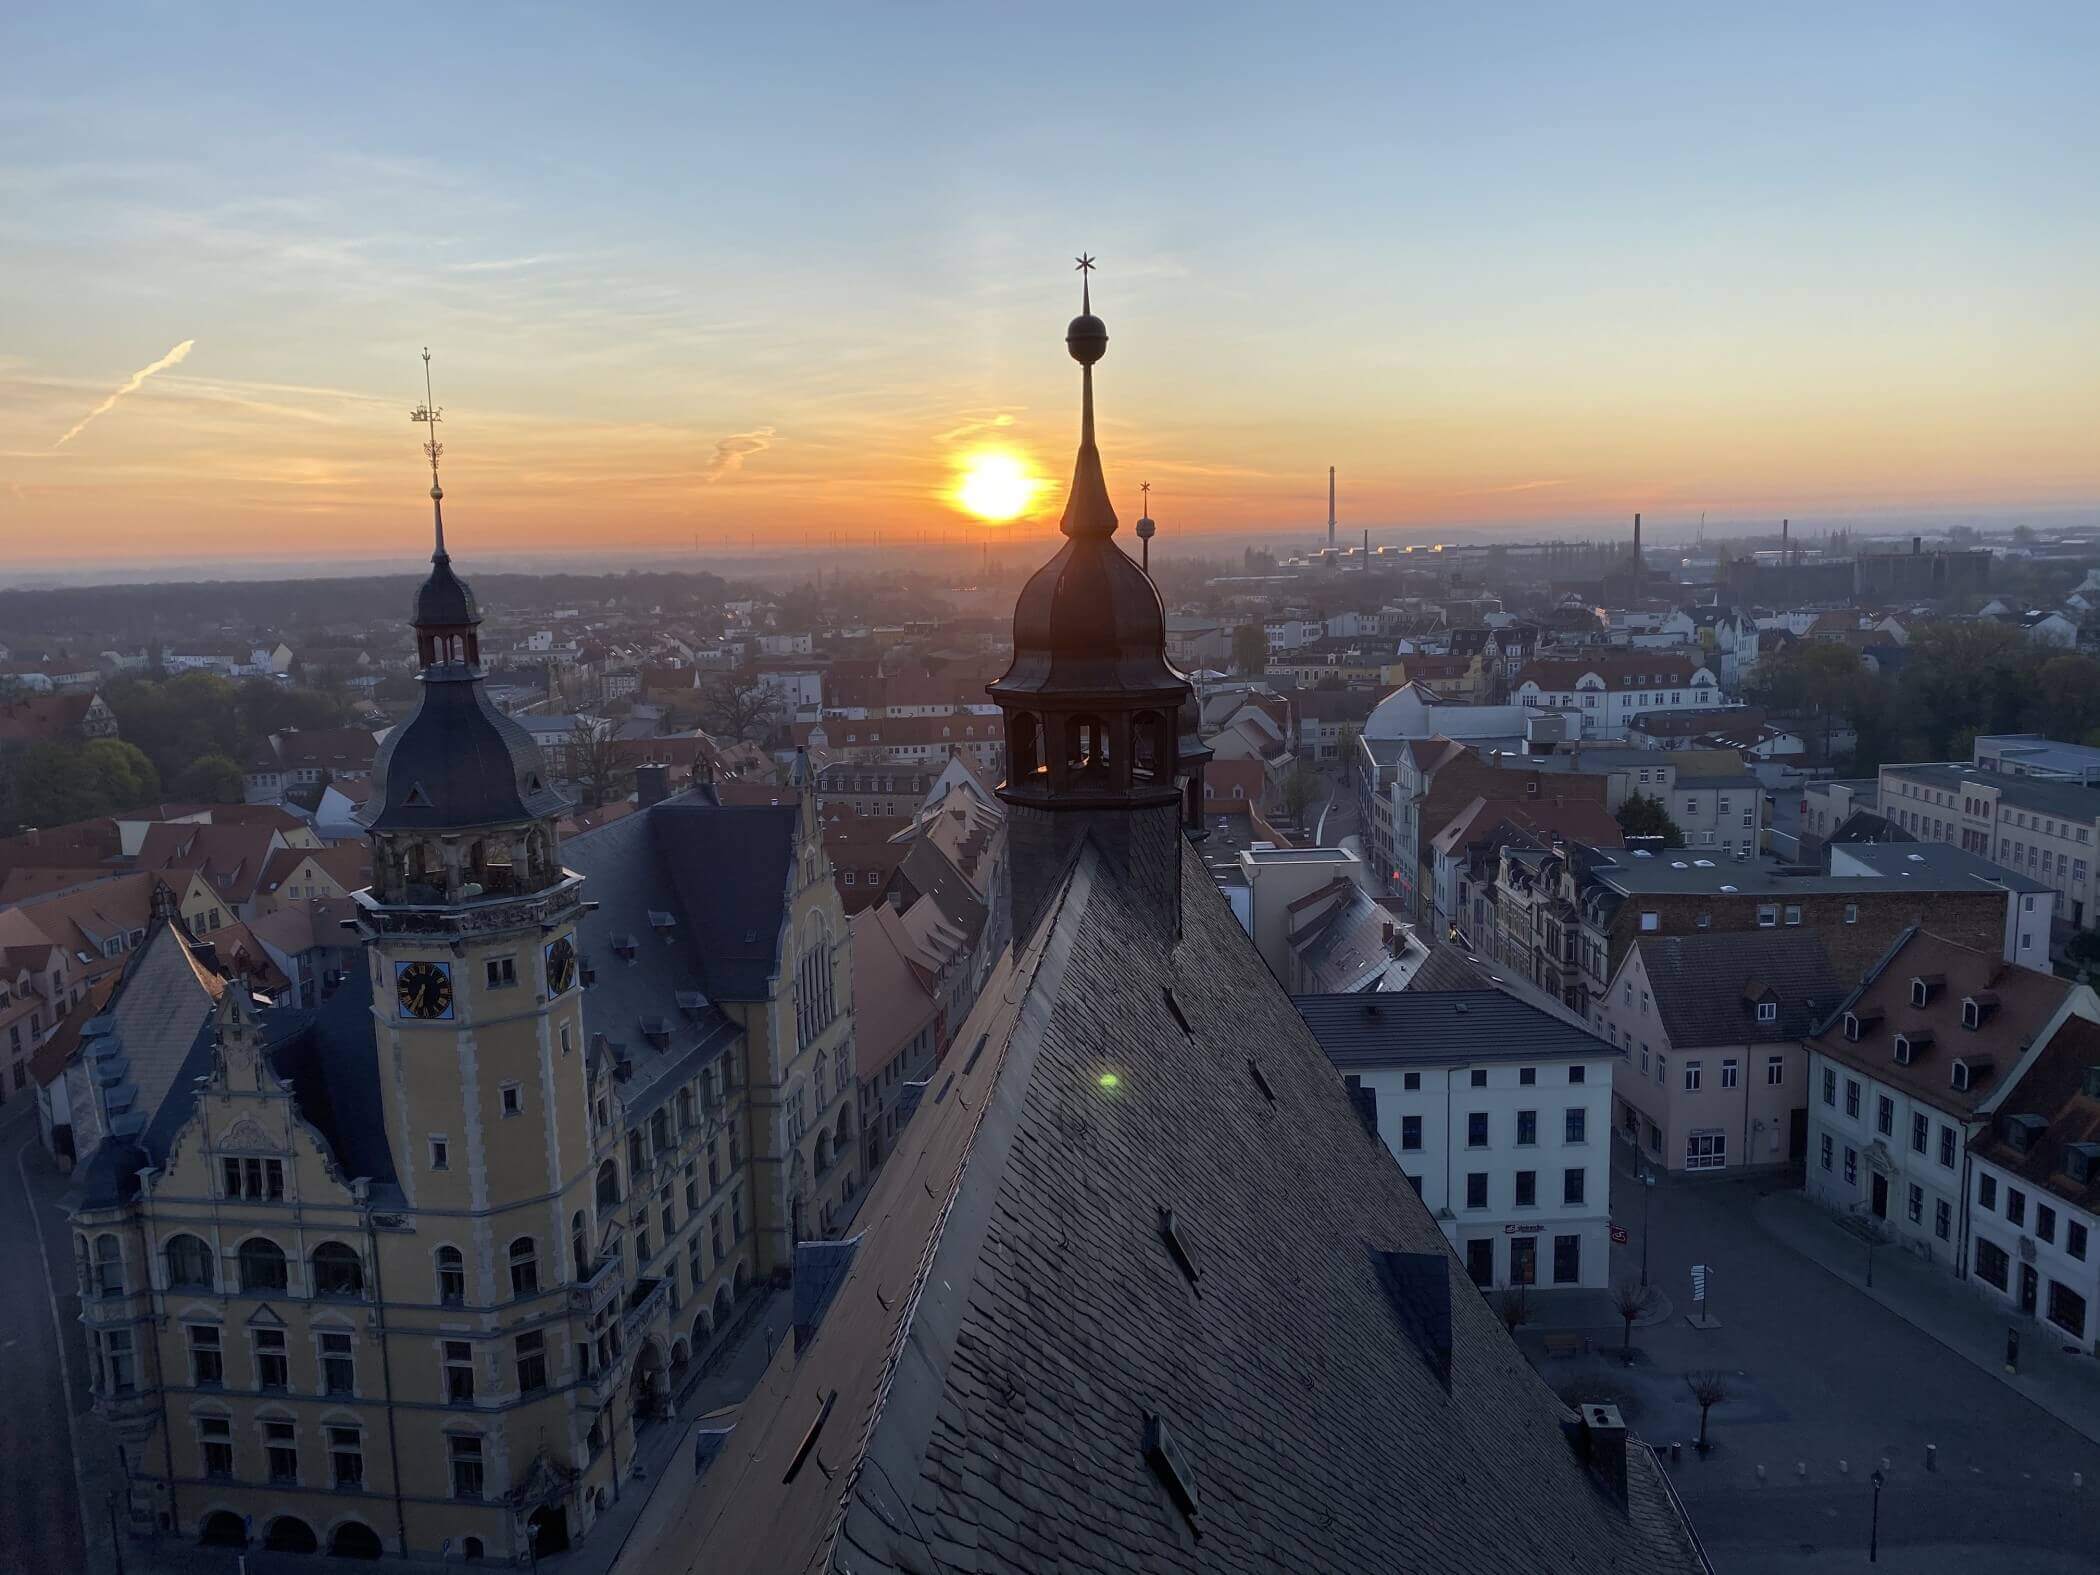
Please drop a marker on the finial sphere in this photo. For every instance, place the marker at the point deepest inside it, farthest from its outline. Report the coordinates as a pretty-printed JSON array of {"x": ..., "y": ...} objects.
[
  {"x": 1146, "y": 529},
  {"x": 1087, "y": 339}
]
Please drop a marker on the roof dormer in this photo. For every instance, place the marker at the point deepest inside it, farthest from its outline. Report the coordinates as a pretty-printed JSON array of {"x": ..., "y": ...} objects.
[
  {"x": 2022, "y": 1132},
  {"x": 1861, "y": 1022},
  {"x": 1976, "y": 1009},
  {"x": 1971, "y": 1072},
  {"x": 1912, "y": 1045},
  {"x": 1925, "y": 986}
]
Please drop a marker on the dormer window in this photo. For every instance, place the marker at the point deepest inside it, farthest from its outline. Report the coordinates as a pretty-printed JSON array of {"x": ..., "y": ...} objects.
[
  {"x": 1768, "y": 1011},
  {"x": 1852, "y": 1028},
  {"x": 1904, "y": 1053}
]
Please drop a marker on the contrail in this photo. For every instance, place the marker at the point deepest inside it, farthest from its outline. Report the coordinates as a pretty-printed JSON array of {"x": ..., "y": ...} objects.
[{"x": 138, "y": 377}]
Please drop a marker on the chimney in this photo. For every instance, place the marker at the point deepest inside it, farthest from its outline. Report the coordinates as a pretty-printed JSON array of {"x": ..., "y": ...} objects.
[
  {"x": 1600, "y": 1444},
  {"x": 1330, "y": 508},
  {"x": 1917, "y": 545},
  {"x": 651, "y": 785},
  {"x": 1636, "y": 542}
]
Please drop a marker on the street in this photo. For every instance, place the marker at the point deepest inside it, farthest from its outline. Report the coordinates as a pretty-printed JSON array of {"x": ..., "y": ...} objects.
[
  {"x": 1824, "y": 1385},
  {"x": 39, "y": 1490}
]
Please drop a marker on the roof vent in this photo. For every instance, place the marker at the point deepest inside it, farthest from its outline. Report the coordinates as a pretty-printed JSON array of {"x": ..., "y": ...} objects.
[
  {"x": 808, "y": 1445},
  {"x": 1170, "y": 1232},
  {"x": 625, "y": 946},
  {"x": 1261, "y": 1080},
  {"x": 659, "y": 920},
  {"x": 1172, "y": 1468},
  {"x": 1174, "y": 1007},
  {"x": 690, "y": 1000}
]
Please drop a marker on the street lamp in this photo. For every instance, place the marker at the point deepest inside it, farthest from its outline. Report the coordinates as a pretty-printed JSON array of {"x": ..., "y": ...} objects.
[
  {"x": 1647, "y": 1192},
  {"x": 1874, "y": 1526}
]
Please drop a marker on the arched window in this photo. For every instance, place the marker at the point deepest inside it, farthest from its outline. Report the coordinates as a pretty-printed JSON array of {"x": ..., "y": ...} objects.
[
  {"x": 262, "y": 1265},
  {"x": 1024, "y": 745},
  {"x": 452, "y": 1276},
  {"x": 608, "y": 1185},
  {"x": 579, "y": 1245},
  {"x": 189, "y": 1262},
  {"x": 823, "y": 1151},
  {"x": 1086, "y": 743},
  {"x": 524, "y": 1267},
  {"x": 109, "y": 1266},
  {"x": 1149, "y": 752},
  {"x": 337, "y": 1271}
]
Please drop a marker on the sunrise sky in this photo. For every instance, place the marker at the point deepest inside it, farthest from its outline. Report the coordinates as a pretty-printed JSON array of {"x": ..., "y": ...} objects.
[{"x": 777, "y": 270}]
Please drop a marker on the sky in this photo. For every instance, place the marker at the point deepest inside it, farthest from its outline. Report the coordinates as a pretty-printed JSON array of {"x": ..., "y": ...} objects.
[{"x": 718, "y": 277}]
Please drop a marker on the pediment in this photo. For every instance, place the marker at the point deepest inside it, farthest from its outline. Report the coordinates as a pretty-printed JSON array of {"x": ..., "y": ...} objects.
[{"x": 248, "y": 1133}]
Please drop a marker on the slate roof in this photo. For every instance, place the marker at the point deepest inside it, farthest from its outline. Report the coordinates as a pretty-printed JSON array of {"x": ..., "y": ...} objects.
[
  {"x": 2053, "y": 1087},
  {"x": 729, "y": 866},
  {"x": 1418, "y": 1027},
  {"x": 979, "y": 1394},
  {"x": 457, "y": 763},
  {"x": 1699, "y": 983}
]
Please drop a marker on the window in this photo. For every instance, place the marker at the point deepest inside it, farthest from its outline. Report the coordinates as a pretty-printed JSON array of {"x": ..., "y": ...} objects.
[
  {"x": 1992, "y": 1265},
  {"x": 338, "y": 1363},
  {"x": 1851, "y": 1165},
  {"x": 1826, "y": 1150},
  {"x": 1662, "y": 1068},
  {"x": 1942, "y": 1218},
  {"x": 1410, "y": 1132},
  {"x": 1576, "y": 1073},
  {"x": 262, "y": 1265},
  {"x": 1651, "y": 922},
  {"x": 1775, "y": 1070},
  {"x": 1793, "y": 911},
  {"x": 116, "y": 1361},
  {"x": 452, "y": 1277},
  {"x": 337, "y": 1271},
  {"x": 1411, "y": 1080},
  {"x": 513, "y": 1099},
  {"x": 1567, "y": 1259},
  {"x": 1920, "y": 1133},
  {"x": 1767, "y": 916},
  {"x": 2066, "y": 1309},
  {"x": 1476, "y": 1189},
  {"x": 2015, "y": 1206},
  {"x": 272, "y": 1370},
  {"x": 253, "y": 1180},
  {"x": 1915, "y": 1204},
  {"x": 2045, "y": 1222},
  {"x": 609, "y": 1185},
  {"x": 215, "y": 1433},
  {"x": 465, "y": 1451},
  {"x": 281, "y": 1448},
  {"x": 1692, "y": 1072},
  {"x": 1477, "y": 1129},
  {"x": 532, "y": 1362},
  {"x": 1987, "y": 1192},
  {"x": 346, "y": 1457},
  {"x": 503, "y": 972},
  {"x": 1947, "y": 1146},
  {"x": 1729, "y": 1075},
  {"x": 1885, "y": 1116},
  {"x": 1527, "y": 1189},
  {"x": 1644, "y": 1054},
  {"x": 459, "y": 1372},
  {"x": 1527, "y": 1128},
  {"x": 440, "y": 1154},
  {"x": 2074, "y": 1240},
  {"x": 207, "y": 1366},
  {"x": 1575, "y": 1127},
  {"x": 189, "y": 1263},
  {"x": 1480, "y": 1077},
  {"x": 524, "y": 1267},
  {"x": 1706, "y": 1151},
  {"x": 1572, "y": 1182},
  {"x": 736, "y": 1211},
  {"x": 1830, "y": 1087},
  {"x": 1852, "y": 1097}
]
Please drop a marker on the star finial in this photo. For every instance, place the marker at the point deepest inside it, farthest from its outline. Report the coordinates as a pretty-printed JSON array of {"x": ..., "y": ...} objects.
[{"x": 1085, "y": 270}]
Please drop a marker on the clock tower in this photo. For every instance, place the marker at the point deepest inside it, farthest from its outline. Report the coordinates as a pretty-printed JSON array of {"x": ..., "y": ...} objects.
[{"x": 478, "y": 1029}]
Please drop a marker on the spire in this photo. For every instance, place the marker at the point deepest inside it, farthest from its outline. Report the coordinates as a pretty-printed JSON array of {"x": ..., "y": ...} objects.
[
  {"x": 429, "y": 414},
  {"x": 1146, "y": 530},
  {"x": 1087, "y": 510}
]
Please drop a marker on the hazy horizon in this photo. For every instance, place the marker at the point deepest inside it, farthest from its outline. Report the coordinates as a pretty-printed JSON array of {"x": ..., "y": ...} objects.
[{"x": 788, "y": 276}]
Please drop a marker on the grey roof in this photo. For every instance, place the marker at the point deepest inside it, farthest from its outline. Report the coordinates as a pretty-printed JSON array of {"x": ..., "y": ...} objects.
[
  {"x": 457, "y": 763},
  {"x": 1697, "y": 870},
  {"x": 2066, "y": 799},
  {"x": 1938, "y": 865},
  {"x": 1702, "y": 984},
  {"x": 1449, "y": 968},
  {"x": 1442, "y": 1028},
  {"x": 731, "y": 867},
  {"x": 627, "y": 878},
  {"x": 1020, "y": 1318}
]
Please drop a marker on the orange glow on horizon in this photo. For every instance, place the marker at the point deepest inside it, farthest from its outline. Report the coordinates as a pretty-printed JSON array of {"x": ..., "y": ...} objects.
[{"x": 996, "y": 486}]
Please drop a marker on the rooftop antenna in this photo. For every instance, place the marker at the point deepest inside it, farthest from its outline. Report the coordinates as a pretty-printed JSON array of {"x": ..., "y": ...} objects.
[{"x": 429, "y": 414}]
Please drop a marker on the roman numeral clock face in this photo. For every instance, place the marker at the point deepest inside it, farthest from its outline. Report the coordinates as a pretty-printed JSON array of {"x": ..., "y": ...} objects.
[
  {"x": 424, "y": 989},
  {"x": 561, "y": 965}
]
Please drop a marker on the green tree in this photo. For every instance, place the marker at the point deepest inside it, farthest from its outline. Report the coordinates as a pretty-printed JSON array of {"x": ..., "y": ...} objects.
[
  {"x": 210, "y": 779},
  {"x": 1250, "y": 650},
  {"x": 1645, "y": 816},
  {"x": 57, "y": 784},
  {"x": 1300, "y": 783},
  {"x": 123, "y": 775}
]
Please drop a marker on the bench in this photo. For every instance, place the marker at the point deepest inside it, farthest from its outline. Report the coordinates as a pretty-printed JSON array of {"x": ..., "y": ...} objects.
[{"x": 1564, "y": 1344}]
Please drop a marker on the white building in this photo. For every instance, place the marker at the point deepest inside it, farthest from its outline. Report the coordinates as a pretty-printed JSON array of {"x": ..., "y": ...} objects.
[
  {"x": 1608, "y": 688},
  {"x": 1500, "y": 1114},
  {"x": 1919, "y": 1060}
]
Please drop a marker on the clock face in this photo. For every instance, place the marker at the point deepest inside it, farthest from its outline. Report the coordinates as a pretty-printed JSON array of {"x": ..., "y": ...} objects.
[
  {"x": 561, "y": 965},
  {"x": 424, "y": 989}
]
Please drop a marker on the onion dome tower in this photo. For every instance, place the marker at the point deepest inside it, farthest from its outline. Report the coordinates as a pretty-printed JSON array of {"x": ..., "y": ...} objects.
[
  {"x": 457, "y": 765},
  {"x": 1090, "y": 700}
]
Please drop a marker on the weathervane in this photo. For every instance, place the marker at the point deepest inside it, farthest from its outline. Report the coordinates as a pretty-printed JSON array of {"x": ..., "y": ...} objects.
[{"x": 429, "y": 414}]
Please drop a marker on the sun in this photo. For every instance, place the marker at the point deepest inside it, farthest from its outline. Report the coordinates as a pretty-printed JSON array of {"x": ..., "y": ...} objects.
[{"x": 996, "y": 486}]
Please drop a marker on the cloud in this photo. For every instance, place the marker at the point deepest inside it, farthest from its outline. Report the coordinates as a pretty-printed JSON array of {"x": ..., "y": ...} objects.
[
  {"x": 172, "y": 358},
  {"x": 733, "y": 450},
  {"x": 974, "y": 422},
  {"x": 1516, "y": 486}
]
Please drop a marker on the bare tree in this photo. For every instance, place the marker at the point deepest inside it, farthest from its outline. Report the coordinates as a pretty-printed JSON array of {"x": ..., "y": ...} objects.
[
  {"x": 736, "y": 705},
  {"x": 1515, "y": 1306},
  {"x": 591, "y": 760},
  {"x": 1709, "y": 1388},
  {"x": 1631, "y": 1300}
]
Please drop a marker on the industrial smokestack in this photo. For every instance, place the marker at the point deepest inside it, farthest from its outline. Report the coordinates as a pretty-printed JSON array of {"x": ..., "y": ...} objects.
[
  {"x": 1636, "y": 541},
  {"x": 1330, "y": 506}
]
